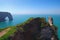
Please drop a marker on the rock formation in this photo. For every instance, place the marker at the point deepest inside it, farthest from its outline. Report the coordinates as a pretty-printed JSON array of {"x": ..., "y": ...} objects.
[
  {"x": 32, "y": 30},
  {"x": 3, "y": 15}
]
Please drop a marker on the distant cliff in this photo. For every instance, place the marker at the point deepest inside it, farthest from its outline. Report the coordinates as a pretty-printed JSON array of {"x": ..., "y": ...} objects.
[{"x": 3, "y": 15}]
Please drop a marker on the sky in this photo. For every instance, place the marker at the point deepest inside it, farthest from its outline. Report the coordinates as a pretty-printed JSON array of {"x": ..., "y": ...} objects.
[{"x": 30, "y": 6}]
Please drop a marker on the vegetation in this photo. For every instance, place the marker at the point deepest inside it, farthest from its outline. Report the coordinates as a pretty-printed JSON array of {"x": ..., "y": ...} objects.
[
  {"x": 24, "y": 26},
  {"x": 11, "y": 31},
  {"x": 1, "y": 29}
]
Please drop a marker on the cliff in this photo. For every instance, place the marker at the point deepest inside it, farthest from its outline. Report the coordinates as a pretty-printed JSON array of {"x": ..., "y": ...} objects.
[
  {"x": 3, "y": 15},
  {"x": 31, "y": 30}
]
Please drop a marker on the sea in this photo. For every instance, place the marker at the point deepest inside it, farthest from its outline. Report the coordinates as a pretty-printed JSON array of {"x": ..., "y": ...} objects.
[{"x": 20, "y": 18}]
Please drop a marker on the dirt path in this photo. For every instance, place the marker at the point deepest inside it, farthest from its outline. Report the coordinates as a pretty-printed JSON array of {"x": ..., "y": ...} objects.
[{"x": 4, "y": 32}]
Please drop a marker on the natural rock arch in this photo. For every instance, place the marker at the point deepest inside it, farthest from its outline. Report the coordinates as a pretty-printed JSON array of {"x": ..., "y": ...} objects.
[{"x": 3, "y": 15}]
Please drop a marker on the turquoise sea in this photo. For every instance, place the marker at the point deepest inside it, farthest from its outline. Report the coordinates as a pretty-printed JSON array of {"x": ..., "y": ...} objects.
[{"x": 17, "y": 19}]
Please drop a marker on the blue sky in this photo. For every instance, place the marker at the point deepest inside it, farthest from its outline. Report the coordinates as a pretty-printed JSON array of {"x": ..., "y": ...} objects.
[{"x": 30, "y": 6}]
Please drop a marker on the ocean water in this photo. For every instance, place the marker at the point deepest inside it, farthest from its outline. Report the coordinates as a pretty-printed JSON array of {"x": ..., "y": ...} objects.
[{"x": 17, "y": 19}]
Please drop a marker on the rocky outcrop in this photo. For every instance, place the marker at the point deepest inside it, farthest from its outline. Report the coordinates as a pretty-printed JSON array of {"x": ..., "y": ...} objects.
[
  {"x": 32, "y": 30},
  {"x": 3, "y": 15}
]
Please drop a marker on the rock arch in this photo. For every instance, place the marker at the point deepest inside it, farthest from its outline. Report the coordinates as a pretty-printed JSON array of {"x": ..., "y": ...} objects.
[{"x": 3, "y": 15}]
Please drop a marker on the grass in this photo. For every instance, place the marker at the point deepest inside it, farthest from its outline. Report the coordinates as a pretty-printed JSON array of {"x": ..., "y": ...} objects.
[
  {"x": 13, "y": 28},
  {"x": 11, "y": 31},
  {"x": 1, "y": 29}
]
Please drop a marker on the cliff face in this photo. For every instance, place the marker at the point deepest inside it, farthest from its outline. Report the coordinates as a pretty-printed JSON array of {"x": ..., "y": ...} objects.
[
  {"x": 32, "y": 30},
  {"x": 3, "y": 15}
]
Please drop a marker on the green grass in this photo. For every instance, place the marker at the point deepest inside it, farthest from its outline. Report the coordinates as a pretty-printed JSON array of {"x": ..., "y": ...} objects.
[
  {"x": 19, "y": 26},
  {"x": 1, "y": 29},
  {"x": 11, "y": 31}
]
